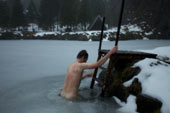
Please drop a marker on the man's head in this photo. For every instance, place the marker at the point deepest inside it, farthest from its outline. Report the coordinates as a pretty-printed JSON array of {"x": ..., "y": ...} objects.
[{"x": 83, "y": 56}]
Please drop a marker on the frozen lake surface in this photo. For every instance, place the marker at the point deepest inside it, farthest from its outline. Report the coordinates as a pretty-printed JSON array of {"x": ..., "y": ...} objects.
[{"x": 32, "y": 74}]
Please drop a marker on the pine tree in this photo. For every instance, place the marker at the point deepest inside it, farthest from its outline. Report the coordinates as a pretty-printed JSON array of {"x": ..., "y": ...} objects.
[
  {"x": 98, "y": 8},
  {"x": 48, "y": 13},
  {"x": 18, "y": 17},
  {"x": 57, "y": 6},
  {"x": 4, "y": 15},
  {"x": 112, "y": 12},
  {"x": 32, "y": 14},
  {"x": 84, "y": 16},
  {"x": 68, "y": 15}
]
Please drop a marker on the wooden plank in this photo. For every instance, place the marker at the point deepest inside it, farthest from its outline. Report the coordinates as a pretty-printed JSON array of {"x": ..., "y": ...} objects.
[{"x": 138, "y": 54}]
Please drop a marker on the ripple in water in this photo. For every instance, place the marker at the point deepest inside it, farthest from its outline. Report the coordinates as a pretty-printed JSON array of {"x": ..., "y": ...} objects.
[{"x": 41, "y": 96}]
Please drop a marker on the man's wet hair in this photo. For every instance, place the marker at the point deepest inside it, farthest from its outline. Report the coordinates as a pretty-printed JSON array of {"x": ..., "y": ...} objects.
[{"x": 82, "y": 53}]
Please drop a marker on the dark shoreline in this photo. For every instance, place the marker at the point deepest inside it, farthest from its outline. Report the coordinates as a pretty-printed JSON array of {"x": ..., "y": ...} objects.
[{"x": 81, "y": 37}]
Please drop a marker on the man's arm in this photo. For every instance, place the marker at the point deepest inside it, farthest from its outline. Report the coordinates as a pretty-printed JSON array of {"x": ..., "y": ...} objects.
[
  {"x": 101, "y": 61},
  {"x": 87, "y": 75}
]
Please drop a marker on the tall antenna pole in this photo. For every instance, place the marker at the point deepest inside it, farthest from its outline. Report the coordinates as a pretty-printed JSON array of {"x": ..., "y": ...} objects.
[{"x": 120, "y": 21}]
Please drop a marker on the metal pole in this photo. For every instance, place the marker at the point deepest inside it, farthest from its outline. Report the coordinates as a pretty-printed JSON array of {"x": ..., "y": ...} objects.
[
  {"x": 116, "y": 43},
  {"x": 99, "y": 55},
  {"x": 120, "y": 21},
  {"x": 101, "y": 37}
]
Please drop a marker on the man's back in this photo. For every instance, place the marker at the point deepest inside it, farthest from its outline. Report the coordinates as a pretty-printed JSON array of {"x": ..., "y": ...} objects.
[{"x": 72, "y": 81}]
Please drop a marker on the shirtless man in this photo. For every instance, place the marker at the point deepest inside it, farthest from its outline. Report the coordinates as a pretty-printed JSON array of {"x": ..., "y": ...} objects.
[{"x": 74, "y": 73}]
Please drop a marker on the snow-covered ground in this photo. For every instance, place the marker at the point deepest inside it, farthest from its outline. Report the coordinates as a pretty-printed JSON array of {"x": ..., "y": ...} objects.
[
  {"x": 124, "y": 29},
  {"x": 36, "y": 31},
  {"x": 32, "y": 73}
]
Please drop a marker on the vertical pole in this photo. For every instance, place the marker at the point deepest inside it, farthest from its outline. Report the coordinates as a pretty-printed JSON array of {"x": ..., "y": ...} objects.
[
  {"x": 110, "y": 66},
  {"x": 101, "y": 36},
  {"x": 99, "y": 55},
  {"x": 95, "y": 73},
  {"x": 119, "y": 23}
]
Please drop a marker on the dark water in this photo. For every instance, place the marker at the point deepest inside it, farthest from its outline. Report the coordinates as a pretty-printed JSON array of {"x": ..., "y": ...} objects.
[{"x": 41, "y": 96}]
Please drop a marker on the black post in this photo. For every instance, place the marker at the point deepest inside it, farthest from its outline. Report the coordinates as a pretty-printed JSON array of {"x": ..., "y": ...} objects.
[
  {"x": 120, "y": 21},
  {"x": 99, "y": 55},
  {"x": 101, "y": 37}
]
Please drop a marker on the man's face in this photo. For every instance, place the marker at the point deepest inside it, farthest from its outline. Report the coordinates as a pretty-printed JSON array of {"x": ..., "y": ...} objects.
[{"x": 85, "y": 59}]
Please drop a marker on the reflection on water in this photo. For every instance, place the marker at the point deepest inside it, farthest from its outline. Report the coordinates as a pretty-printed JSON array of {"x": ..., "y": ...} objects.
[{"x": 41, "y": 96}]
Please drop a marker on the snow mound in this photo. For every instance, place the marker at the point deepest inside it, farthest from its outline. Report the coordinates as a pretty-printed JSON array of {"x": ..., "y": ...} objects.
[{"x": 155, "y": 78}]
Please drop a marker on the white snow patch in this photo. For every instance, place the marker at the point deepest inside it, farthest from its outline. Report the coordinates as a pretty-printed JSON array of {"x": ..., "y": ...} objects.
[
  {"x": 127, "y": 28},
  {"x": 90, "y": 40},
  {"x": 130, "y": 28},
  {"x": 129, "y": 107},
  {"x": 45, "y": 33},
  {"x": 155, "y": 79},
  {"x": 114, "y": 29},
  {"x": 134, "y": 28},
  {"x": 149, "y": 33},
  {"x": 107, "y": 37},
  {"x": 145, "y": 38},
  {"x": 33, "y": 27},
  {"x": 18, "y": 33}
]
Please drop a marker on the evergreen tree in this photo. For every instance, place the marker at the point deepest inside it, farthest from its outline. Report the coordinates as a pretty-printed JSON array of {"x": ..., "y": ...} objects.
[
  {"x": 4, "y": 14},
  {"x": 68, "y": 15},
  {"x": 98, "y": 8},
  {"x": 48, "y": 14},
  {"x": 84, "y": 13},
  {"x": 32, "y": 14},
  {"x": 18, "y": 17},
  {"x": 57, "y": 7},
  {"x": 55, "y": 10},
  {"x": 112, "y": 12}
]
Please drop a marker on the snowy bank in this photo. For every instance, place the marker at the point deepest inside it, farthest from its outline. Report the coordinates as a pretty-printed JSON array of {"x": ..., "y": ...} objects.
[
  {"x": 155, "y": 78},
  {"x": 93, "y": 34},
  {"x": 127, "y": 32}
]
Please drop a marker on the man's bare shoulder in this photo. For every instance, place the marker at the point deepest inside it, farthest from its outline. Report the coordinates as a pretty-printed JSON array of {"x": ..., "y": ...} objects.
[
  {"x": 74, "y": 67},
  {"x": 89, "y": 65}
]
